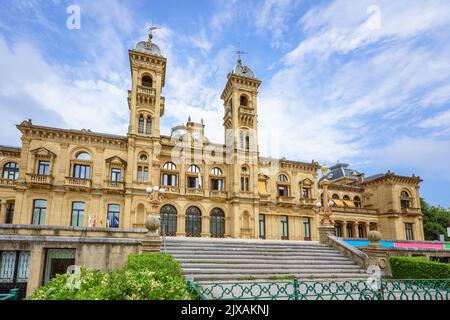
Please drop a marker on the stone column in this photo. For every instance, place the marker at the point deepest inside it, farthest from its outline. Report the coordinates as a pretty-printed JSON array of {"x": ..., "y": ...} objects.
[{"x": 181, "y": 224}]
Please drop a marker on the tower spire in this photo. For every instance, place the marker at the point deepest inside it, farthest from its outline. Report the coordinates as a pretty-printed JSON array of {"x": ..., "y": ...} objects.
[
  {"x": 239, "y": 53},
  {"x": 150, "y": 30}
]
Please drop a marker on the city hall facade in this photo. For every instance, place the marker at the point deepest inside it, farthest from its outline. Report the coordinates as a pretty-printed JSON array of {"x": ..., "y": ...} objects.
[{"x": 74, "y": 178}]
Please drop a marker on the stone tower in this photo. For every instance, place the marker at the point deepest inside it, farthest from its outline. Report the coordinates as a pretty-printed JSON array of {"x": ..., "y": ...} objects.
[{"x": 241, "y": 138}]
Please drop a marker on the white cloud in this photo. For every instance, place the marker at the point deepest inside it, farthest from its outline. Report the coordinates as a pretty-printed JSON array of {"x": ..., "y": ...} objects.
[{"x": 272, "y": 16}]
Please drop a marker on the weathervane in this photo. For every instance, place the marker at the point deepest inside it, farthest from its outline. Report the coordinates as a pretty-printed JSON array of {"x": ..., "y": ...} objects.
[
  {"x": 150, "y": 33},
  {"x": 239, "y": 53}
]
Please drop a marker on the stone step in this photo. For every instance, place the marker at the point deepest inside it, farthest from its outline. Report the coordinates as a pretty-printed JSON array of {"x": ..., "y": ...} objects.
[
  {"x": 245, "y": 260},
  {"x": 260, "y": 257},
  {"x": 264, "y": 255},
  {"x": 211, "y": 241},
  {"x": 253, "y": 271},
  {"x": 301, "y": 276},
  {"x": 298, "y": 249},
  {"x": 271, "y": 266},
  {"x": 244, "y": 245}
]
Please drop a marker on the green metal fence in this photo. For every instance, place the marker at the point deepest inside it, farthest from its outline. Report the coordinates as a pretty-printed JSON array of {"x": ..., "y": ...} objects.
[
  {"x": 324, "y": 290},
  {"x": 13, "y": 295}
]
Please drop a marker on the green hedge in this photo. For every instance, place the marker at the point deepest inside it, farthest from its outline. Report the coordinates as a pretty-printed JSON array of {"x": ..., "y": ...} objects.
[
  {"x": 418, "y": 268},
  {"x": 151, "y": 276}
]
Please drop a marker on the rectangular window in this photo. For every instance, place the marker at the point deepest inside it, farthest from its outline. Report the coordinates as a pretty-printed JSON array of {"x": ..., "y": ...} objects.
[
  {"x": 247, "y": 143},
  {"x": 81, "y": 171},
  {"x": 139, "y": 174},
  {"x": 116, "y": 175},
  {"x": 409, "y": 231},
  {"x": 307, "y": 228},
  {"x": 217, "y": 184},
  {"x": 349, "y": 231},
  {"x": 338, "y": 229},
  {"x": 77, "y": 214},
  {"x": 244, "y": 184},
  {"x": 44, "y": 168},
  {"x": 145, "y": 174},
  {"x": 361, "y": 233},
  {"x": 306, "y": 193},
  {"x": 113, "y": 217},
  {"x": 39, "y": 210},
  {"x": 9, "y": 212},
  {"x": 169, "y": 180},
  {"x": 284, "y": 228},
  {"x": 282, "y": 191},
  {"x": 192, "y": 183},
  {"x": 262, "y": 226}
]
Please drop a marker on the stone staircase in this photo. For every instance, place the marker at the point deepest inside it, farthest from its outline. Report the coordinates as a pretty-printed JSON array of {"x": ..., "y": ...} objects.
[{"x": 238, "y": 260}]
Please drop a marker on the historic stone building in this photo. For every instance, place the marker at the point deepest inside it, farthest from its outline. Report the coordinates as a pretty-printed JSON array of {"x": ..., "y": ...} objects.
[{"x": 82, "y": 178}]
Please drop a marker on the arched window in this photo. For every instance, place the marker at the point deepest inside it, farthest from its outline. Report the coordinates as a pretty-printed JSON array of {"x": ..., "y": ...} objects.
[
  {"x": 82, "y": 170},
  {"x": 346, "y": 197},
  {"x": 170, "y": 166},
  {"x": 282, "y": 187},
  {"x": 405, "y": 200},
  {"x": 217, "y": 223},
  {"x": 168, "y": 215},
  {"x": 193, "y": 223},
  {"x": 245, "y": 179},
  {"x": 148, "y": 127},
  {"x": 169, "y": 179},
  {"x": 216, "y": 172},
  {"x": 357, "y": 201},
  {"x": 141, "y": 124},
  {"x": 11, "y": 171},
  {"x": 335, "y": 196},
  {"x": 282, "y": 178},
  {"x": 193, "y": 169},
  {"x": 244, "y": 101},
  {"x": 143, "y": 157},
  {"x": 147, "y": 81},
  {"x": 83, "y": 156}
]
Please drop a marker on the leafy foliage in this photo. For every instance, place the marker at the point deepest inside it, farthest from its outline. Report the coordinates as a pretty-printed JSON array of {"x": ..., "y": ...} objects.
[
  {"x": 435, "y": 221},
  {"x": 151, "y": 276},
  {"x": 418, "y": 268}
]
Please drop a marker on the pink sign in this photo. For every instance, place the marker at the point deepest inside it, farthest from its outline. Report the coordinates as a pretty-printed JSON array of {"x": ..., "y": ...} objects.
[{"x": 419, "y": 245}]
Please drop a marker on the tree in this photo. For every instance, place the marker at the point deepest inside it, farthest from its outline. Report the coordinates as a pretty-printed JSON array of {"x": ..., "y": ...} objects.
[{"x": 436, "y": 220}]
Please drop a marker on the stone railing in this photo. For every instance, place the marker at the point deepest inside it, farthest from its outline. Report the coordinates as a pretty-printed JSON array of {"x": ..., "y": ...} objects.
[
  {"x": 358, "y": 256},
  {"x": 146, "y": 90},
  {"x": 218, "y": 194},
  {"x": 119, "y": 185},
  {"x": 354, "y": 210},
  {"x": 38, "y": 178},
  {"x": 7, "y": 182},
  {"x": 308, "y": 201},
  {"x": 75, "y": 182},
  {"x": 285, "y": 200},
  {"x": 171, "y": 189},
  {"x": 247, "y": 110},
  {"x": 194, "y": 191}
]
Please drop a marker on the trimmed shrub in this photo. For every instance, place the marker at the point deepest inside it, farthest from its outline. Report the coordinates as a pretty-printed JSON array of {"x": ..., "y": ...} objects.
[
  {"x": 145, "y": 277},
  {"x": 418, "y": 268}
]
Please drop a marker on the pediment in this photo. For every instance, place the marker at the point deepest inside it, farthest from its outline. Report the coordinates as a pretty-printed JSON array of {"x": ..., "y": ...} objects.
[
  {"x": 43, "y": 152},
  {"x": 116, "y": 160},
  {"x": 307, "y": 182}
]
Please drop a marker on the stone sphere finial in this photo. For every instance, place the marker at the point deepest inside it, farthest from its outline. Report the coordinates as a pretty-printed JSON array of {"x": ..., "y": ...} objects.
[
  {"x": 374, "y": 237},
  {"x": 152, "y": 224}
]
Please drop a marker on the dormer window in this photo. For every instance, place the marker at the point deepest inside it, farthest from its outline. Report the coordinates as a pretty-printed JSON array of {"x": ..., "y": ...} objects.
[{"x": 147, "y": 81}]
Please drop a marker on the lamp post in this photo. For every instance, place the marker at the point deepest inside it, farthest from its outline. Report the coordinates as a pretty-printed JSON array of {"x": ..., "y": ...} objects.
[
  {"x": 326, "y": 228},
  {"x": 152, "y": 239}
]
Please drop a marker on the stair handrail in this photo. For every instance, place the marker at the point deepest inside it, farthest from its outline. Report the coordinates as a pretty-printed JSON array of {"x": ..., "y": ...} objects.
[{"x": 358, "y": 256}]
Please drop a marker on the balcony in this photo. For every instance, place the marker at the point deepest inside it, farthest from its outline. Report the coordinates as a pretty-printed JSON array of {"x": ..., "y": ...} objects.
[
  {"x": 115, "y": 185},
  {"x": 78, "y": 184},
  {"x": 308, "y": 201},
  {"x": 411, "y": 211},
  {"x": 171, "y": 191},
  {"x": 285, "y": 200},
  {"x": 7, "y": 182},
  {"x": 146, "y": 91},
  {"x": 354, "y": 210},
  {"x": 194, "y": 193},
  {"x": 39, "y": 179},
  {"x": 247, "y": 110},
  {"x": 218, "y": 194}
]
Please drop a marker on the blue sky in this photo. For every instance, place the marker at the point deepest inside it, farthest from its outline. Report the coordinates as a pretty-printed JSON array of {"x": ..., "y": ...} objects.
[{"x": 362, "y": 82}]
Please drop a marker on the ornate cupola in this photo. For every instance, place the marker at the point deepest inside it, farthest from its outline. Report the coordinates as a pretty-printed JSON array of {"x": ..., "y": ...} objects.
[{"x": 145, "y": 100}]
